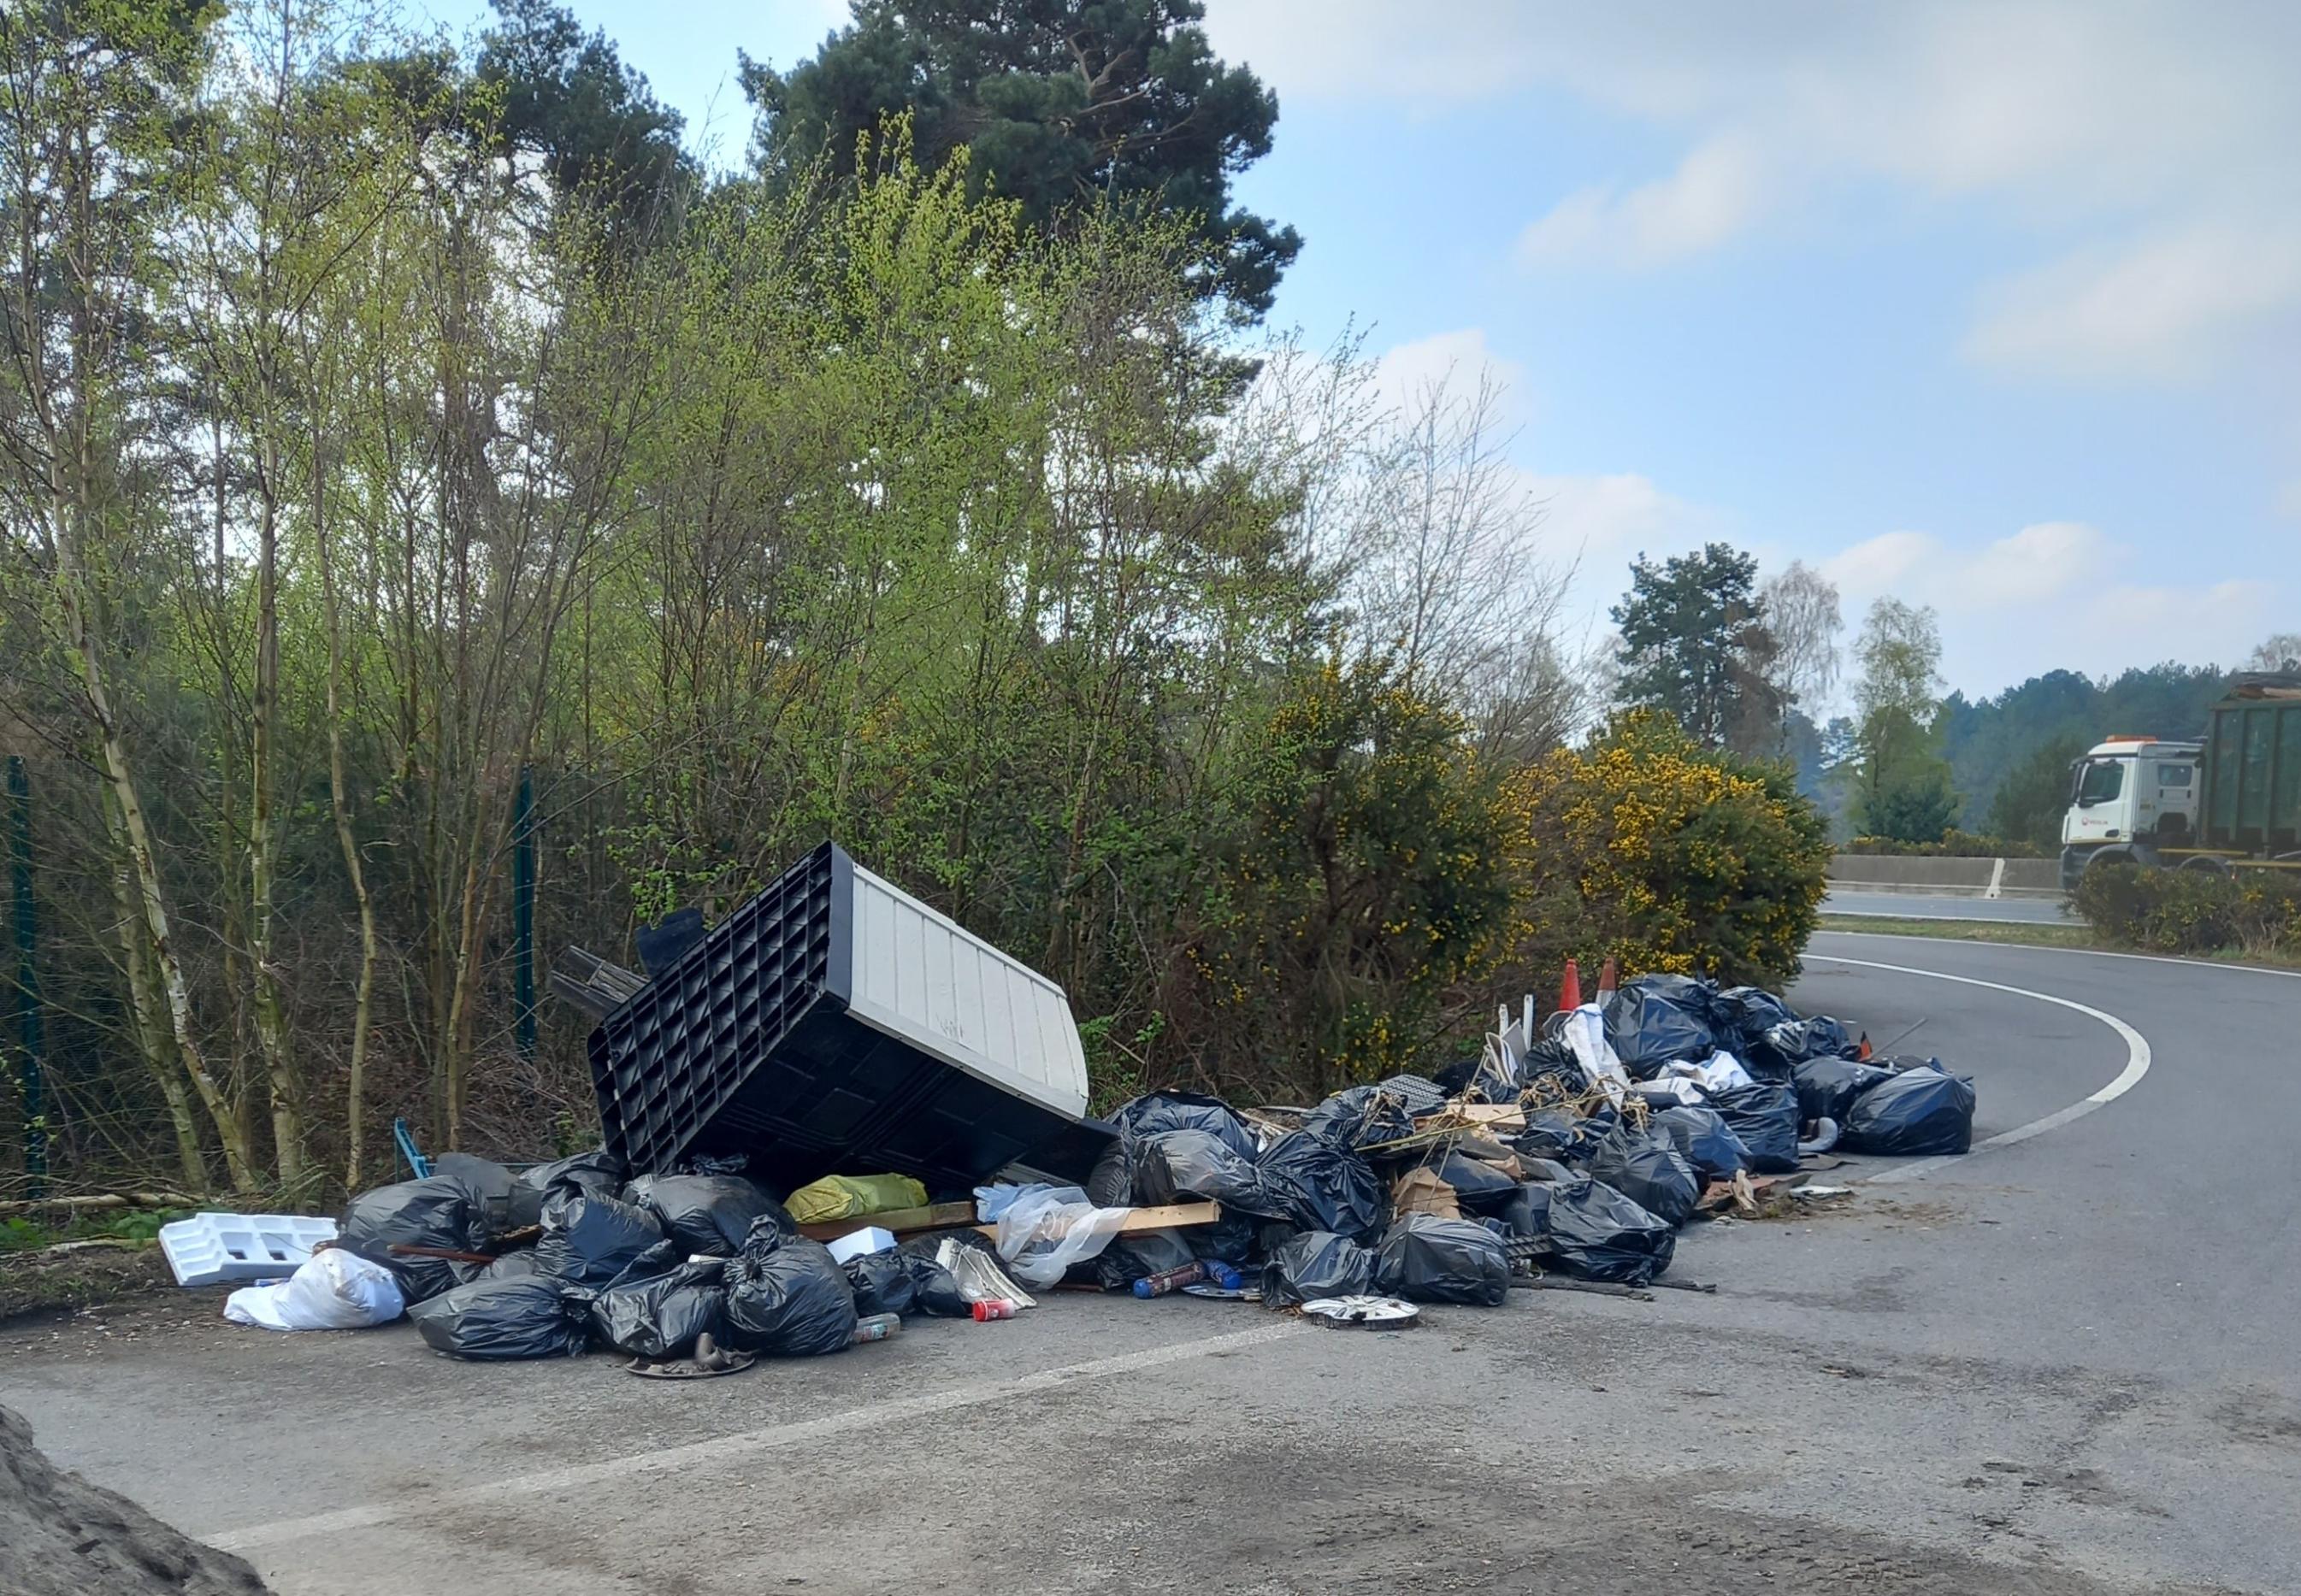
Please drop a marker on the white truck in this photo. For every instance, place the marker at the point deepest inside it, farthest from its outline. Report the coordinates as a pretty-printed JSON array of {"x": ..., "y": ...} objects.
[{"x": 2231, "y": 800}]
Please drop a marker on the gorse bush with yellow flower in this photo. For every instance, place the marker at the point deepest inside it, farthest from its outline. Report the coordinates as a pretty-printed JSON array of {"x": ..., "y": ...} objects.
[{"x": 1646, "y": 845}]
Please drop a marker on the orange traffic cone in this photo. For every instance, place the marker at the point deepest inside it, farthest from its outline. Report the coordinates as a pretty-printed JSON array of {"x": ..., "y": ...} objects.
[
  {"x": 1863, "y": 1051},
  {"x": 1610, "y": 977},
  {"x": 1569, "y": 990}
]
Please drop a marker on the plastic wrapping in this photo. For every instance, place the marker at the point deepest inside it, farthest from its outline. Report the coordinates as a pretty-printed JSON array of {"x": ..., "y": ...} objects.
[
  {"x": 1920, "y": 1111},
  {"x": 488, "y": 1320},
  {"x": 1425, "y": 1259},
  {"x": 1827, "y": 1087},
  {"x": 1647, "y": 1168},
  {"x": 1704, "y": 1141},
  {"x": 1765, "y": 1116},
  {"x": 589, "y": 1241},
  {"x": 436, "y": 1212},
  {"x": 1785, "y": 1046},
  {"x": 786, "y": 1297},
  {"x": 660, "y": 1318},
  {"x": 1044, "y": 1229},
  {"x": 1656, "y": 1019},
  {"x": 331, "y": 1290},
  {"x": 854, "y": 1197},
  {"x": 1315, "y": 1263},
  {"x": 1597, "y": 1233},
  {"x": 1322, "y": 1187},
  {"x": 705, "y": 1214}
]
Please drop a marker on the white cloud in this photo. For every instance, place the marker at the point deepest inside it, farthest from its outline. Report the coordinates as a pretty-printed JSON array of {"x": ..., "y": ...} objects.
[
  {"x": 1714, "y": 194},
  {"x": 2167, "y": 307},
  {"x": 1406, "y": 374},
  {"x": 2049, "y": 597},
  {"x": 2144, "y": 148}
]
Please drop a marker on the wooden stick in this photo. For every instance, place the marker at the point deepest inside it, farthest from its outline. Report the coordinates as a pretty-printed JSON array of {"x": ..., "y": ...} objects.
[{"x": 109, "y": 1199}]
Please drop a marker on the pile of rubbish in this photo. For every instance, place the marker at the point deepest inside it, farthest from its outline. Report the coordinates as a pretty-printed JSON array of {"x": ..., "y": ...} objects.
[{"x": 1574, "y": 1147}]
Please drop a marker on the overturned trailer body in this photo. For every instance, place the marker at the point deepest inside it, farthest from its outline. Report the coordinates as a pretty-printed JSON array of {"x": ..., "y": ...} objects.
[{"x": 834, "y": 1022}]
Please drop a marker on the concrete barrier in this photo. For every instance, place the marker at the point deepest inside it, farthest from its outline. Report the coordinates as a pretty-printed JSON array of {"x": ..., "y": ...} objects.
[{"x": 1947, "y": 878}]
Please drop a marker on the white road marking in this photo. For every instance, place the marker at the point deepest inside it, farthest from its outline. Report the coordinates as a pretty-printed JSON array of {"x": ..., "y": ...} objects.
[
  {"x": 725, "y": 1450},
  {"x": 2137, "y": 1064}
]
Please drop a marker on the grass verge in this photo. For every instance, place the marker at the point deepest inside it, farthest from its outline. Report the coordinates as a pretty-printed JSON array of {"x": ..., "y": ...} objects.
[{"x": 2075, "y": 934}]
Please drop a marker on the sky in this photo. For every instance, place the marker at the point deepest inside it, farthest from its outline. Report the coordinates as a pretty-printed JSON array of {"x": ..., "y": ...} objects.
[{"x": 1995, "y": 308}]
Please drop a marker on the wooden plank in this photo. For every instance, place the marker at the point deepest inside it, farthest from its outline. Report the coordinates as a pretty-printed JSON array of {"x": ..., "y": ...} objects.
[
  {"x": 1173, "y": 1216},
  {"x": 903, "y": 1222}
]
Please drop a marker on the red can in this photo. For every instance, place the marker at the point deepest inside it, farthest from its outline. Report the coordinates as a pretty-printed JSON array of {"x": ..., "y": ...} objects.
[{"x": 999, "y": 1309}]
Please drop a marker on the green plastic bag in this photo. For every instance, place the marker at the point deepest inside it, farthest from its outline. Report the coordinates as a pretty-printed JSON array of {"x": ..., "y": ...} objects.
[{"x": 853, "y": 1196}]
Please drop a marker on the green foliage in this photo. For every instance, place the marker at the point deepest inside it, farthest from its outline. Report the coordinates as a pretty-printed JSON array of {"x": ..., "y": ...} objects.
[
  {"x": 1914, "y": 805},
  {"x": 1993, "y": 742},
  {"x": 2254, "y": 911},
  {"x": 1646, "y": 845},
  {"x": 1060, "y": 102},
  {"x": 1694, "y": 643},
  {"x": 2035, "y": 795},
  {"x": 568, "y": 96},
  {"x": 1358, "y": 891}
]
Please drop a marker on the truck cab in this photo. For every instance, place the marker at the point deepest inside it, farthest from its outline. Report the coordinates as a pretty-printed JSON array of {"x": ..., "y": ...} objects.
[{"x": 2130, "y": 790}]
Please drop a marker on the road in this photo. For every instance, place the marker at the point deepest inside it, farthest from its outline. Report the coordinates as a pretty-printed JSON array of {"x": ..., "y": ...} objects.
[
  {"x": 2061, "y": 1366},
  {"x": 1927, "y": 906}
]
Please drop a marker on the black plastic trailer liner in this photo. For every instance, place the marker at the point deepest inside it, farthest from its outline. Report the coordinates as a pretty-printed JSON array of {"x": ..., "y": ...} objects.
[{"x": 833, "y": 1024}]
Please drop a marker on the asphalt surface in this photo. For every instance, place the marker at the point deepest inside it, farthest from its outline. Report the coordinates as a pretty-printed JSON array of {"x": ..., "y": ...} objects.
[
  {"x": 2061, "y": 1366},
  {"x": 1929, "y": 905}
]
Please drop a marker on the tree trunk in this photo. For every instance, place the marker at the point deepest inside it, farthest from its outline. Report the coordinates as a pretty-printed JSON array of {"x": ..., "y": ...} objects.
[
  {"x": 70, "y": 582},
  {"x": 152, "y": 1038},
  {"x": 340, "y": 804},
  {"x": 270, "y": 1010}
]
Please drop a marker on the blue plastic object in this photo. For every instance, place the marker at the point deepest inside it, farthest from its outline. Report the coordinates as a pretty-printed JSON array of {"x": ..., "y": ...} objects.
[{"x": 406, "y": 1138}]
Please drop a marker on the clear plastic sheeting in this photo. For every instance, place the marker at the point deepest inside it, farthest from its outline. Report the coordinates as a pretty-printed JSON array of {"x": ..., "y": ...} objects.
[
  {"x": 1044, "y": 1229},
  {"x": 334, "y": 1289},
  {"x": 1583, "y": 1030}
]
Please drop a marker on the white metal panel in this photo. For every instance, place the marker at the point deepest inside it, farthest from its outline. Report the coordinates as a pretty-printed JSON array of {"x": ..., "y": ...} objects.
[{"x": 918, "y": 975}]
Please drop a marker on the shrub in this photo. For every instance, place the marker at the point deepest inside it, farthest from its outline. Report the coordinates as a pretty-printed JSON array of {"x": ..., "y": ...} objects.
[
  {"x": 2253, "y": 912},
  {"x": 1332, "y": 937},
  {"x": 1645, "y": 846}
]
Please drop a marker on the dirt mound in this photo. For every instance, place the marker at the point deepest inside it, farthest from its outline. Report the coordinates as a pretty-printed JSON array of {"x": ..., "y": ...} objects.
[{"x": 61, "y": 1536}]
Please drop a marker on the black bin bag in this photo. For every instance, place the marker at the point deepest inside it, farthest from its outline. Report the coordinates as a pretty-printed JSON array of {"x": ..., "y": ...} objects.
[
  {"x": 882, "y": 1283},
  {"x": 1318, "y": 1186},
  {"x": 438, "y": 1211},
  {"x": 1828, "y": 1086},
  {"x": 488, "y": 1320},
  {"x": 1315, "y": 1263},
  {"x": 1647, "y": 1168},
  {"x": 597, "y": 1174},
  {"x": 589, "y": 1241},
  {"x": 660, "y": 1317},
  {"x": 787, "y": 1297},
  {"x": 707, "y": 1213},
  {"x": 1765, "y": 1116},
  {"x": 1920, "y": 1111},
  {"x": 1180, "y": 1166},
  {"x": 1705, "y": 1140},
  {"x": 1428, "y": 1260},
  {"x": 1597, "y": 1233},
  {"x": 1655, "y": 1020},
  {"x": 934, "y": 1289}
]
